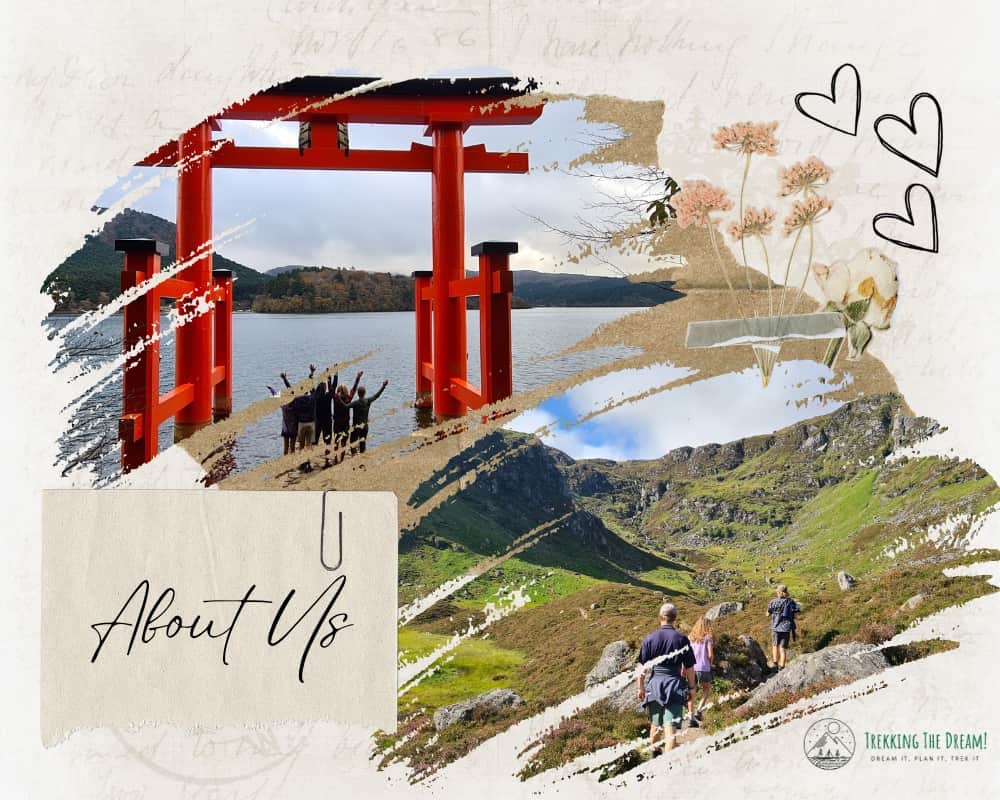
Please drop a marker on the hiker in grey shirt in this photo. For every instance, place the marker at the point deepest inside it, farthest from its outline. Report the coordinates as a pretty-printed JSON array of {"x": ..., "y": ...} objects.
[
  {"x": 782, "y": 610},
  {"x": 359, "y": 421}
]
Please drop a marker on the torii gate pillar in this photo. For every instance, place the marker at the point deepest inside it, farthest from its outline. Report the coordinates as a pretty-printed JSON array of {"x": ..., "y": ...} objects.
[
  {"x": 448, "y": 236},
  {"x": 194, "y": 360}
]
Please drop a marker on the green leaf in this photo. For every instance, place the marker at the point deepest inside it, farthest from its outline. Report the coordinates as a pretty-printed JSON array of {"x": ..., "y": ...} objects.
[
  {"x": 860, "y": 335},
  {"x": 856, "y": 311}
]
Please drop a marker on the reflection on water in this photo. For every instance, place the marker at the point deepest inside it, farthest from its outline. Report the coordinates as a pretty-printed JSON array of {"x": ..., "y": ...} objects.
[
  {"x": 719, "y": 409},
  {"x": 264, "y": 345}
]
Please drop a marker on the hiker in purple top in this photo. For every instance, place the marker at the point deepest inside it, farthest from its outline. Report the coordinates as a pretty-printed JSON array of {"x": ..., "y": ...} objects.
[
  {"x": 666, "y": 693},
  {"x": 782, "y": 610},
  {"x": 704, "y": 654}
]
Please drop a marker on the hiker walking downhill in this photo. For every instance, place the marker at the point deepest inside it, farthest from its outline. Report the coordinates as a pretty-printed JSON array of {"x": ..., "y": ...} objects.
[
  {"x": 704, "y": 655},
  {"x": 782, "y": 610},
  {"x": 359, "y": 423},
  {"x": 666, "y": 694}
]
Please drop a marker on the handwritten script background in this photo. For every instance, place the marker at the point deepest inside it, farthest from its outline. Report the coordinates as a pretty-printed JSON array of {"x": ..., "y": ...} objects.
[{"x": 90, "y": 88}]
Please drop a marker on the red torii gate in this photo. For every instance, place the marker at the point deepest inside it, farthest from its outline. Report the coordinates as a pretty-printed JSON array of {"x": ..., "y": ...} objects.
[{"x": 203, "y": 369}]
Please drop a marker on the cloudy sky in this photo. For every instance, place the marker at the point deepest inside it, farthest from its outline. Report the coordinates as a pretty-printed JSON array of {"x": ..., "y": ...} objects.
[
  {"x": 719, "y": 409},
  {"x": 382, "y": 221}
]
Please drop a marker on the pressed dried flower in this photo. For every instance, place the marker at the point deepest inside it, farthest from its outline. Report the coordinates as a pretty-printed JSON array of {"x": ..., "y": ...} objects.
[
  {"x": 805, "y": 212},
  {"x": 747, "y": 138},
  {"x": 804, "y": 176},
  {"x": 696, "y": 200},
  {"x": 756, "y": 222}
]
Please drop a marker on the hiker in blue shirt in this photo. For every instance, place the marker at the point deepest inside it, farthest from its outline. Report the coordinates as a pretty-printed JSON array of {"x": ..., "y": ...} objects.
[
  {"x": 782, "y": 610},
  {"x": 666, "y": 694}
]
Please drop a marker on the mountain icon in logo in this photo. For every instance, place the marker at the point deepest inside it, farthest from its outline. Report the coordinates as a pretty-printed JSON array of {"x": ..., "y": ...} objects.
[{"x": 829, "y": 744}]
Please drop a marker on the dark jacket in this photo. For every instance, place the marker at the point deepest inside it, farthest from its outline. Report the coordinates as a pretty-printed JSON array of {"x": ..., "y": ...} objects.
[{"x": 362, "y": 405}]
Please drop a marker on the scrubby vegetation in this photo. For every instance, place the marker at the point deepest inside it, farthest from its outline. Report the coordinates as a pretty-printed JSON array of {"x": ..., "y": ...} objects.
[{"x": 797, "y": 506}]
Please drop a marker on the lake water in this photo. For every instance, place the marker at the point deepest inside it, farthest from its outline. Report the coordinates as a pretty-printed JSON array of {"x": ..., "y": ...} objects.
[{"x": 264, "y": 345}]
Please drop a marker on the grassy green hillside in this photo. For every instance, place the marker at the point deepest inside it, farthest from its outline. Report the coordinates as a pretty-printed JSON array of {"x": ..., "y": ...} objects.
[{"x": 698, "y": 526}]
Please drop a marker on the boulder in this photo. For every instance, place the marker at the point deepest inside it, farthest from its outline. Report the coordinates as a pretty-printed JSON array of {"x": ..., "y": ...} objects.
[
  {"x": 913, "y": 602},
  {"x": 624, "y": 699},
  {"x": 845, "y": 580},
  {"x": 723, "y": 610},
  {"x": 493, "y": 700},
  {"x": 754, "y": 651},
  {"x": 614, "y": 659},
  {"x": 741, "y": 661},
  {"x": 842, "y": 663}
]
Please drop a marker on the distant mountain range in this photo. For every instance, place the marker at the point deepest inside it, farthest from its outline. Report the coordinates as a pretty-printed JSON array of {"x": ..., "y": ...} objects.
[{"x": 90, "y": 277}]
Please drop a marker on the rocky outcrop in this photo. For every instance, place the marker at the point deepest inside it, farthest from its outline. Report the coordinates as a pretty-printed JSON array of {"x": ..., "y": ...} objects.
[
  {"x": 589, "y": 478},
  {"x": 723, "y": 610},
  {"x": 841, "y": 663},
  {"x": 718, "y": 580},
  {"x": 491, "y": 701},
  {"x": 741, "y": 661},
  {"x": 614, "y": 659},
  {"x": 845, "y": 580},
  {"x": 908, "y": 431},
  {"x": 816, "y": 440}
]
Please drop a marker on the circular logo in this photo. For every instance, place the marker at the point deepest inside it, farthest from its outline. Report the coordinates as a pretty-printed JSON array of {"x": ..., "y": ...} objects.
[{"x": 829, "y": 743}]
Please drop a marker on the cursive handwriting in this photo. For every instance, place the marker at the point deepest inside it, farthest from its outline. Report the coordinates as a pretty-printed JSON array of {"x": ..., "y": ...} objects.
[{"x": 148, "y": 620}]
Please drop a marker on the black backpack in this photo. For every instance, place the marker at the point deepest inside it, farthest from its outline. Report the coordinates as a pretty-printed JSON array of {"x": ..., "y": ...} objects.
[{"x": 787, "y": 612}]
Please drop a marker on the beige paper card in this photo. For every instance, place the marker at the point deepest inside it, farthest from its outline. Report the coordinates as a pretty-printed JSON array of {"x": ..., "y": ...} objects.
[{"x": 209, "y": 608}]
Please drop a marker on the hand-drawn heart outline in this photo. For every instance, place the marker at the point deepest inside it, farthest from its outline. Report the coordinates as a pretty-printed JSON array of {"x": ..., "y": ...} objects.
[
  {"x": 832, "y": 97},
  {"x": 909, "y": 221},
  {"x": 911, "y": 126}
]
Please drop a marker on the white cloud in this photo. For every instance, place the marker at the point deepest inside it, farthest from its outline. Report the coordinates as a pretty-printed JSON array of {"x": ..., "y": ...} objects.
[{"x": 382, "y": 221}]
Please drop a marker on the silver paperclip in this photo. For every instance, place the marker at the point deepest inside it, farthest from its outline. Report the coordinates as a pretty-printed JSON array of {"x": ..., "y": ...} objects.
[{"x": 322, "y": 537}]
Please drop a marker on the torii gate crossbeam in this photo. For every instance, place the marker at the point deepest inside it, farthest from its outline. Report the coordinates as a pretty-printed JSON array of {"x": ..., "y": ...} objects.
[{"x": 324, "y": 107}]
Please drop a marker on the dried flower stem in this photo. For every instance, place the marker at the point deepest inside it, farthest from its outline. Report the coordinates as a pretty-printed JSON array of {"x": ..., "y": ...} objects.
[
  {"x": 722, "y": 269},
  {"x": 805, "y": 274},
  {"x": 743, "y": 246},
  {"x": 770, "y": 284},
  {"x": 788, "y": 268}
]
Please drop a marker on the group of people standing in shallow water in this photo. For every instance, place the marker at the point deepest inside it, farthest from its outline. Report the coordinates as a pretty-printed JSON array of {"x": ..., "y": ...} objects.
[{"x": 331, "y": 412}]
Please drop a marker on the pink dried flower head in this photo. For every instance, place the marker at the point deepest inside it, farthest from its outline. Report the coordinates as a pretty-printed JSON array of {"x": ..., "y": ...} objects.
[
  {"x": 805, "y": 212},
  {"x": 696, "y": 200},
  {"x": 756, "y": 222},
  {"x": 822, "y": 271},
  {"x": 803, "y": 177},
  {"x": 747, "y": 138}
]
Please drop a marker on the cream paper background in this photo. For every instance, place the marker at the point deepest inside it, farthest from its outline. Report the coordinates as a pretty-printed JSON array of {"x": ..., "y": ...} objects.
[
  {"x": 99, "y": 545},
  {"x": 89, "y": 88}
]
